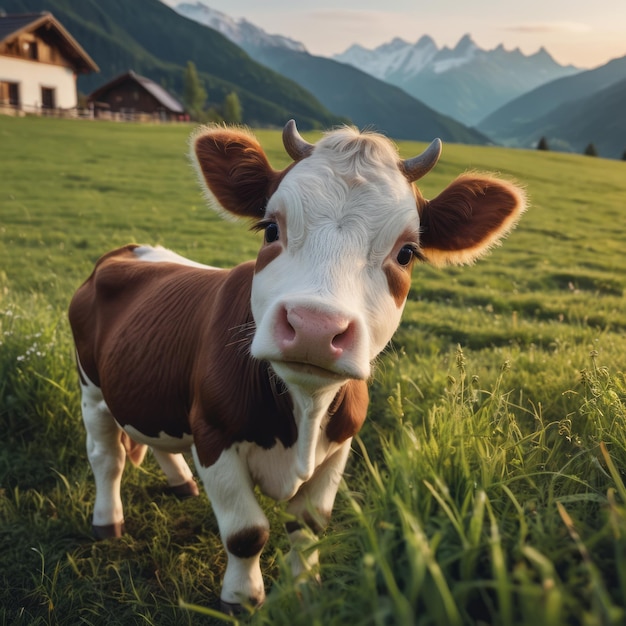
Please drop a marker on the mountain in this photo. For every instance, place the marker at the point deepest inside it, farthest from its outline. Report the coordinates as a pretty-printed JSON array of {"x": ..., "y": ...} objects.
[
  {"x": 514, "y": 123},
  {"x": 465, "y": 82},
  {"x": 239, "y": 31},
  {"x": 152, "y": 39},
  {"x": 573, "y": 123},
  {"x": 343, "y": 89}
]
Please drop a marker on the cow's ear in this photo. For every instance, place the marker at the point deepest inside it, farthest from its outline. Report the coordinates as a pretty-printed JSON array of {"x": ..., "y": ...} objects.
[
  {"x": 468, "y": 217},
  {"x": 233, "y": 170}
]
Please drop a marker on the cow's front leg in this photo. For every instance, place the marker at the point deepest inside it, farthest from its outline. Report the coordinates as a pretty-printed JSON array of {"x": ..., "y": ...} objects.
[
  {"x": 312, "y": 507},
  {"x": 244, "y": 529}
]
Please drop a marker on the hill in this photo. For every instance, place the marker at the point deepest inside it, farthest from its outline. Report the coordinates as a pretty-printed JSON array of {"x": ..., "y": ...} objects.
[
  {"x": 465, "y": 82},
  {"x": 572, "y": 126},
  {"x": 152, "y": 39},
  {"x": 343, "y": 89},
  {"x": 516, "y": 122}
]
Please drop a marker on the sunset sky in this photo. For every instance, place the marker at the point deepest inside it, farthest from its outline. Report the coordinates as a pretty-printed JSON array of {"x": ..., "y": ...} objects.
[{"x": 585, "y": 33}]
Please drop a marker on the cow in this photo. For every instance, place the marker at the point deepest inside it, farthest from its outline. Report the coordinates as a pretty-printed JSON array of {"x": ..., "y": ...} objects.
[{"x": 262, "y": 370}]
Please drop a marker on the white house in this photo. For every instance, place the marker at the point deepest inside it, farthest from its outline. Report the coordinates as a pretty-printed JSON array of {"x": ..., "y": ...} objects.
[{"x": 39, "y": 63}]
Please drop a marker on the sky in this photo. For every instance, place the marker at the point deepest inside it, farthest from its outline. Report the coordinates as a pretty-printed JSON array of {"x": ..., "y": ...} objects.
[{"x": 584, "y": 33}]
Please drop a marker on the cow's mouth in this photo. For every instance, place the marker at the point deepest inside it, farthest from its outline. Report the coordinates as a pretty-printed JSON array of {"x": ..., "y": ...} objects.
[
  {"x": 303, "y": 369},
  {"x": 315, "y": 370}
]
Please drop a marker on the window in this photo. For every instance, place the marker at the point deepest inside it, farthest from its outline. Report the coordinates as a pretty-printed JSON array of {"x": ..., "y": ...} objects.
[
  {"x": 47, "y": 98},
  {"x": 30, "y": 50},
  {"x": 33, "y": 51},
  {"x": 10, "y": 93}
]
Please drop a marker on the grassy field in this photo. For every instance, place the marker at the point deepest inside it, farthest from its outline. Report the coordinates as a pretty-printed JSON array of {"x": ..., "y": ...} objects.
[{"x": 487, "y": 486}]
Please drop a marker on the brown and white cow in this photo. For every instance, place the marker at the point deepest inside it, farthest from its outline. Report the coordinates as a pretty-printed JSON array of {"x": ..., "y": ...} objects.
[{"x": 261, "y": 370}]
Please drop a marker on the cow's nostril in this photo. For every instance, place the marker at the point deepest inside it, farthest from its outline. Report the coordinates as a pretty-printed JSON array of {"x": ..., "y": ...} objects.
[
  {"x": 344, "y": 340},
  {"x": 285, "y": 332}
]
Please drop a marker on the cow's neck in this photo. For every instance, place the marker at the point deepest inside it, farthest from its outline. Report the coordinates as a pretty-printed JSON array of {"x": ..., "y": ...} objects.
[{"x": 311, "y": 414}]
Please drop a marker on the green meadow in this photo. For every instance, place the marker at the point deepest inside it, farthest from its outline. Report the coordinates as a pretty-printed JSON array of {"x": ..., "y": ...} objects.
[{"x": 488, "y": 485}]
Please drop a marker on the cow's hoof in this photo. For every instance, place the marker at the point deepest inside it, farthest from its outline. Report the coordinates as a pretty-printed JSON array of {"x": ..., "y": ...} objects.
[
  {"x": 234, "y": 608},
  {"x": 230, "y": 608},
  {"x": 186, "y": 490},
  {"x": 108, "y": 531}
]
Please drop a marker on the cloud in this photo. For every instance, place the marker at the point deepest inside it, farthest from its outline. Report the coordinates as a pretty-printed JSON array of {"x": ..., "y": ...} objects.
[
  {"x": 341, "y": 27},
  {"x": 336, "y": 16},
  {"x": 549, "y": 27}
]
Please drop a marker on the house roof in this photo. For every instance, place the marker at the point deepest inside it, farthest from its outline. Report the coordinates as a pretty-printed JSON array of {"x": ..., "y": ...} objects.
[
  {"x": 161, "y": 95},
  {"x": 48, "y": 27}
]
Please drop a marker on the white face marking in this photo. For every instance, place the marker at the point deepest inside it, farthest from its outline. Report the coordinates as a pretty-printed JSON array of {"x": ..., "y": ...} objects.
[{"x": 339, "y": 220}]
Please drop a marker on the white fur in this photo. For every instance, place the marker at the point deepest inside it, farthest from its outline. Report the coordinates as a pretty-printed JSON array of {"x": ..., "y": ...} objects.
[
  {"x": 163, "y": 442},
  {"x": 106, "y": 454},
  {"x": 231, "y": 491},
  {"x": 159, "y": 254}
]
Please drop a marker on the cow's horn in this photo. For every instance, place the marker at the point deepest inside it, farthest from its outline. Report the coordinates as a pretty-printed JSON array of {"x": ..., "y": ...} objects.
[
  {"x": 296, "y": 147},
  {"x": 420, "y": 165}
]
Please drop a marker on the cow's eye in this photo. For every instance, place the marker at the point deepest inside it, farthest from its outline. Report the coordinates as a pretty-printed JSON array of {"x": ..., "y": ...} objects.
[
  {"x": 405, "y": 256},
  {"x": 271, "y": 232}
]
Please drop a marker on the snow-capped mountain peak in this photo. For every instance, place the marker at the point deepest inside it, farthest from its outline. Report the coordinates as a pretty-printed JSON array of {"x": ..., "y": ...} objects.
[
  {"x": 239, "y": 31},
  {"x": 388, "y": 59},
  {"x": 407, "y": 59}
]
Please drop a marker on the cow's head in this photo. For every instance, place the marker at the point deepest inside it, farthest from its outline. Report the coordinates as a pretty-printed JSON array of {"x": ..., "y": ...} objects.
[{"x": 343, "y": 227}]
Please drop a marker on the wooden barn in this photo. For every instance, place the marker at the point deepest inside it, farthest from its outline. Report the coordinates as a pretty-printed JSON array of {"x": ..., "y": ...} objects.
[
  {"x": 39, "y": 63},
  {"x": 134, "y": 97}
]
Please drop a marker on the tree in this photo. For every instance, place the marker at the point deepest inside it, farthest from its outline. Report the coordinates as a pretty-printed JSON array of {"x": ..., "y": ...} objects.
[
  {"x": 194, "y": 94},
  {"x": 590, "y": 150},
  {"x": 232, "y": 108},
  {"x": 543, "y": 144}
]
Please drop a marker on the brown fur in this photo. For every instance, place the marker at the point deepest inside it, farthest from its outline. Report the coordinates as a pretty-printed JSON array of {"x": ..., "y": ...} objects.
[
  {"x": 236, "y": 170},
  {"x": 467, "y": 218}
]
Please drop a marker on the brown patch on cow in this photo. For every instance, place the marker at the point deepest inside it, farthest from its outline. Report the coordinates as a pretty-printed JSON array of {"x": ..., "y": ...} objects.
[
  {"x": 468, "y": 217},
  {"x": 398, "y": 279},
  {"x": 169, "y": 345},
  {"x": 237, "y": 397},
  {"x": 271, "y": 250},
  {"x": 348, "y": 411},
  {"x": 399, "y": 276},
  {"x": 267, "y": 254},
  {"x": 248, "y": 542}
]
